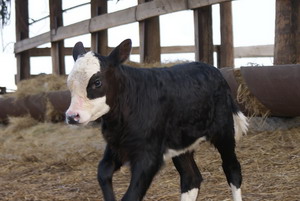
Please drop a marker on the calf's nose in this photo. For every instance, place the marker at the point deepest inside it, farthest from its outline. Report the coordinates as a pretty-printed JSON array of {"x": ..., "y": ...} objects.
[{"x": 72, "y": 118}]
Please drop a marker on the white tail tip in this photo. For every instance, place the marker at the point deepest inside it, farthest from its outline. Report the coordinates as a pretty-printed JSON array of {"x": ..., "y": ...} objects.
[{"x": 240, "y": 125}]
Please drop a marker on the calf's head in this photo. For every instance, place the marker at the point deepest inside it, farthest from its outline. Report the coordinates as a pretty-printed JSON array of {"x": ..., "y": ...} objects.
[{"x": 87, "y": 82}]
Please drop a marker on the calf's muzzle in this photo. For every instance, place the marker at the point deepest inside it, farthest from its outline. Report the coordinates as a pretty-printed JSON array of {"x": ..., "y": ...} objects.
[{"x": 72, "y": 118}]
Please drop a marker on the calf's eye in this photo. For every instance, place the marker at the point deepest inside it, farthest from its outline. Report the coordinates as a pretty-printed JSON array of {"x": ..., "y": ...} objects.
[{"x": 97, "y": 83}]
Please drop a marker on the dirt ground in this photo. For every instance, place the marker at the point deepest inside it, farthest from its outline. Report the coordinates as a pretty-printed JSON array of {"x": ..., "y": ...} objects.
[{"x": 47, "y": 161}]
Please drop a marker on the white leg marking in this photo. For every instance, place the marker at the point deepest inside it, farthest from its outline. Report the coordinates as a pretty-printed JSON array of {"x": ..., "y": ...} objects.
[
  {"x": 191, "y": 195},
  {"x": 236, "y": 193}
]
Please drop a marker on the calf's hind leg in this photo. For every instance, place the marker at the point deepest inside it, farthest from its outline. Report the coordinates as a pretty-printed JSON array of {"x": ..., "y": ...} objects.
[
  {"x": 231, "y": 166},
  {"x": 190, "y": 176}
]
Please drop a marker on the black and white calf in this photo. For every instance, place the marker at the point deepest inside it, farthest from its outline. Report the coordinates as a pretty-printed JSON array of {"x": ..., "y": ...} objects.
[{"x": 151, "y": 115}]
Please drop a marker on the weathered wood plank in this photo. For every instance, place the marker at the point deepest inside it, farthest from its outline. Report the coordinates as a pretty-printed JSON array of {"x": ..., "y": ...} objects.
[
  {"x": 114, "y": 19},
  {"x": 22, "y": 32},
  {"x": 192, "y": 4},
  {"x": 77, "y": 29},
  {"x": 149, "y": 38},
  {"x": 254, "y": 51},
  {"x": 159, "y": 7},
  {"x": 33, "y": 42},
  {"x": 239, "y": 52},
  {"x": 99, "y": 39},
  {"x": 57, "y": 48},
  {"x": 177, "y": 49},
  {"x": 226, "y": 47},
  {"x": 203, "y": 34},
  {"x": 287, "y": 32},
  {"x": 39, "y": 52}
]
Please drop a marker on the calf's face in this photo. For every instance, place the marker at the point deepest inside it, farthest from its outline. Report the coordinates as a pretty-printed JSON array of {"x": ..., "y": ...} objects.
[{"x": 86, "y": 83}]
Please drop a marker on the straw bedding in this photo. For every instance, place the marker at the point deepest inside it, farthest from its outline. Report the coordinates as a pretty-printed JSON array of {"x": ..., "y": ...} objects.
[{"x": 47, "y": 161}]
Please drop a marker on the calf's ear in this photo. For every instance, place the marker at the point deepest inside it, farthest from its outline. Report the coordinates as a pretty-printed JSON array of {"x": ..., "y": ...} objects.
[
  {"x": 121, "y": 52},
  {"x": 78, "y": 50}
]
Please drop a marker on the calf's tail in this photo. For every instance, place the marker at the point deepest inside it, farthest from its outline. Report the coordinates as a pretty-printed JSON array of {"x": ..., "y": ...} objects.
[{"x": 240, "y": 122}]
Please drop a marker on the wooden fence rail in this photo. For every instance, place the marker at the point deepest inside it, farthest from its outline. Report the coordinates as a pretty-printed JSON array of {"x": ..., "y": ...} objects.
[{"x": 239, "y": 52}]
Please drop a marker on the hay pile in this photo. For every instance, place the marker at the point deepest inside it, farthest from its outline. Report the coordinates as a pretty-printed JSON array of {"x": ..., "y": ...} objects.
[
  {"x": 46, "y": 161},
  {"x": 40, "y": 84},
  {"x": 244, "y": 97}
]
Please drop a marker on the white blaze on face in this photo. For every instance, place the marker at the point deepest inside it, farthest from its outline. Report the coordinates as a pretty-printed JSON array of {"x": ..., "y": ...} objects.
[{"x": 88, "y": 110}]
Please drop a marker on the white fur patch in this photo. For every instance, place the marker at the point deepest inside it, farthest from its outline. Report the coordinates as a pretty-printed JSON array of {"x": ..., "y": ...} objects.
[
  {"x": 84, "y": 68},
  {"x": 240, "y": 125},
  {"x": 191, "y": 195},
  {"x": 170, "y": 153},
  {"x": 236, "y": 193},
  {"x": 89, "y": 110}
]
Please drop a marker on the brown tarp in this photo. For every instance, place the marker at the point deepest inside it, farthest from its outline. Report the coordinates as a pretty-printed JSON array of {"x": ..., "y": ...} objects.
[
  {"x": 34, "y": 105},
  {"x": 276, "y": 87}
]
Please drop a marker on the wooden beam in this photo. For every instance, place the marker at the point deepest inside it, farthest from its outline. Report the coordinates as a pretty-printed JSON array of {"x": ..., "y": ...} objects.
[
  {"x": 99, "y": 42},
  {"x": 29, "y": 43},
  {"x": 239, "y": 52},
  {"x": 203, "y": 34},
  {"x": 254, "y": 51},
  {"x": 40, "y": 52},
  {"x": 158, "y": 7},
  {"x": 226, "y": 47},
  {"x": 150, "y": 50},
  {"x": 57, "y": 47},
  {"x": 114, "y": 19},
  {"x": 22, "y": 32},
  {"x": 287, "y": 32},
  {"x": 161, "y": 7},
  {"x": 192, "y": 4}
]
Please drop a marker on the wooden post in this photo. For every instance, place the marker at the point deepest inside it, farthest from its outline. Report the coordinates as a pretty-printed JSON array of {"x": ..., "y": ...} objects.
[
  {"x": 57, "y": 48},
  {"x": 22, "y": 32},
  {"x": 226, "y": 47},
  {"x": 203, "y": 34},
  {"x": 99, "y": 42},
  {"x": 149, "y": 39},
  {"x": 287, "y": 32}
]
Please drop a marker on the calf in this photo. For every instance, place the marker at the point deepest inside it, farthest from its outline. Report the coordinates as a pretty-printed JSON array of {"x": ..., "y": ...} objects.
[{"x": 151, "y": 115}]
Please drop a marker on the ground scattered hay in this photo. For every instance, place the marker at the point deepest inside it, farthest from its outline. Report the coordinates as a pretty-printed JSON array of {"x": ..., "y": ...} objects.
[
  {"x": 40, "y": 84},
  {"x": 20, "y": 123},
  {"x": 46, "y": 161},
  {"x": 244, "y": 97}
]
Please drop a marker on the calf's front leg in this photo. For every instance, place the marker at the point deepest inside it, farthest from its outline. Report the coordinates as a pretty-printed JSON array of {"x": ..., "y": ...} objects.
[{"x": 106, "y": 168}]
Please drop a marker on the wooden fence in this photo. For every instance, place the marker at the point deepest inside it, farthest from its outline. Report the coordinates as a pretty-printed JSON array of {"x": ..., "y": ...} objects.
[{"x": 147, "y": 13}]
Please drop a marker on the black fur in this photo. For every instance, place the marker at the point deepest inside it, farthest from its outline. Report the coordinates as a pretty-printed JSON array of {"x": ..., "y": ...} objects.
[{"x": 153, "y": 110}]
